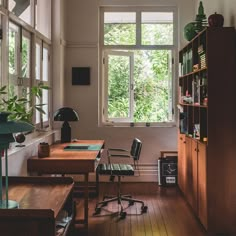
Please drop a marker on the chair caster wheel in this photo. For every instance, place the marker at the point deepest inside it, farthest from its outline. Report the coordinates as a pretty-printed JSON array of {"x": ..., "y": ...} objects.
[
  {"x": 131, "y": 203},
  {"x": 144, "y": 209},
  {"x": 97, "y": 211},
  {"x": 123, "y": 215}
]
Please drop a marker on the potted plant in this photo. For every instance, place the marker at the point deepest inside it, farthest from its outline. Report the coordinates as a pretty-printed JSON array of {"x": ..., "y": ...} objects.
[{"x": 22, "y": 108}]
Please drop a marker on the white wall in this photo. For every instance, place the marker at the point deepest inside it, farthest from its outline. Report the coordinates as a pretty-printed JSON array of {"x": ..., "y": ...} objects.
[
  {"x": 225, "y": 7},
  {"x": 82, "y": 38}
]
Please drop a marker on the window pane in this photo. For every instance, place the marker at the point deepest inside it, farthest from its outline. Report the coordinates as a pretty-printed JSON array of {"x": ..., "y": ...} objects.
[
  {"x": 119, "y": 28},
  {"x": 22, "y": 9},
  {"x": 157, "y": 28},
  {"x": 1, "y": 51},
  {"x": 45, "y": 64},
  {"x": 118, "y": 86},
  {"x": 25, "y": 70},
  {"x": 152, "y": 86},
  {"x": 45, "y": 106},
  {"x": 37, "y": 115},
  {"x": 37, "y": 61},
  {"x": 13, "y": 31},
  {"x": 43, "y": 17}
]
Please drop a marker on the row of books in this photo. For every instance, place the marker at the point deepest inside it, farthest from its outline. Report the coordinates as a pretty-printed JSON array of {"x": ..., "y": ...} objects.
[
  {"x": 202, "y": 56},
  {"x": 187, "y": 63}
]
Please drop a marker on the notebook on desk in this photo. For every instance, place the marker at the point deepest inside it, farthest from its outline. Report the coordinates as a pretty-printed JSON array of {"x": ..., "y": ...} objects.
[{"x": 82, "y": 147}]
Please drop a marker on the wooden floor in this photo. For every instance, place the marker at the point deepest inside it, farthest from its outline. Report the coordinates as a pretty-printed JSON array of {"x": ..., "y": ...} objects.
[{"x": 168, "y": 214}]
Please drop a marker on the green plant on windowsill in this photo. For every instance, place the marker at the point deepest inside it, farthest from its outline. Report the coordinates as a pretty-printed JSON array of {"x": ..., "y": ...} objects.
[{"x": 22, "y": 108}]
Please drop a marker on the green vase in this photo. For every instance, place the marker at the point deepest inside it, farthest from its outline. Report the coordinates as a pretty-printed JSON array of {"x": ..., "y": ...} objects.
[{"x": 190, "y": 31}]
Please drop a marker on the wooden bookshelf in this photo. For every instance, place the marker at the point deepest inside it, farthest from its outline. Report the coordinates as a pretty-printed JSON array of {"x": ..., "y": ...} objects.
[{"x": 206, "y": 158}]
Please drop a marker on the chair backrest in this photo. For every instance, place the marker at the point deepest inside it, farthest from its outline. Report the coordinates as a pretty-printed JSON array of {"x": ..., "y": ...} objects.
[{"x": 136, "y": 149}]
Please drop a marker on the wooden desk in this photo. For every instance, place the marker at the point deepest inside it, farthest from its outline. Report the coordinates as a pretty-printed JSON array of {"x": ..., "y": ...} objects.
[
  {"x": 40, "y": 201},
  {"x": 80, "y": 162}
]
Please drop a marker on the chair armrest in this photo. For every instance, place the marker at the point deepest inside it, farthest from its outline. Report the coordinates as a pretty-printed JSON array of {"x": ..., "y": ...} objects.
[
  {"x": 119, "y": 155},
  {"x": 117, "y": 150}
]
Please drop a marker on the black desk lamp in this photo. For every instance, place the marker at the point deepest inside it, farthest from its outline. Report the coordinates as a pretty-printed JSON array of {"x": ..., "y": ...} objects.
[{"x": 66, "y": 114}]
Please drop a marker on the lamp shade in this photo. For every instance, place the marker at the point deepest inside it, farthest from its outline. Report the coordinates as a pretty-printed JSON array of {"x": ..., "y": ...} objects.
[
  {"x": 66, "y": 114},
  {"x": 9, "y": 127}
]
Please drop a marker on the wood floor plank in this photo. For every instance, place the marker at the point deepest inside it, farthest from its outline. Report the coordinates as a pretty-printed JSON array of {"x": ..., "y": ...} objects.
[{"x": 168, "y": 213}]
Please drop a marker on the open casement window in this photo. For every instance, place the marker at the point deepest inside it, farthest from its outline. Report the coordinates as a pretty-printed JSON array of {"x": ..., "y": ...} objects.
[
  {"x": 119, "y": 86},
  {"x": 42, "y": 72},
  {"x": 139, "y": 45}
]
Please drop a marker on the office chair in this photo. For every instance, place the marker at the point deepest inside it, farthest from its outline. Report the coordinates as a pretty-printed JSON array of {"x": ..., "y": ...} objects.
[{"x": 120, "y": 170}]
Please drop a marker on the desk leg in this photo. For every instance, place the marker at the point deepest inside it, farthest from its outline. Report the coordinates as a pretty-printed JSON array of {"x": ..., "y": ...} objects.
[
  {"x": 86, "y": 198},
  {"x": 97, "y": 184}
]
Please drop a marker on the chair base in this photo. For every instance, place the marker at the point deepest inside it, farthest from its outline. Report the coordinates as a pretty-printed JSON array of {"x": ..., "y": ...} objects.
[{"x": 119, "y": 198}]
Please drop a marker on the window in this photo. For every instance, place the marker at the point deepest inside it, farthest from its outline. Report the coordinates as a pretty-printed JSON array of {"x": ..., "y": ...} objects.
[
  {"x": 26, "y": 52},
  {"x": 14, "y": 63},
  {"x": 22, "y": 9},
  {"x": 19, "y": 70},
  {"x": 138, "y": 49},
  {"x": 43, "y": 17},
  {"x": 42, "y": 77},
  {"x": 121, "y": 24}
]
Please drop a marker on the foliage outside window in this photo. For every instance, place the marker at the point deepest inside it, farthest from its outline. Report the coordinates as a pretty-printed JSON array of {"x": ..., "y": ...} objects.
[{"x": 138, "y": 68}]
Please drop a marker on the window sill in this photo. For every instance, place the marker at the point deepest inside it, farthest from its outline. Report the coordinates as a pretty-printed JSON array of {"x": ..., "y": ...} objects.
[
  {"x": 34, "y": 139},
  {"x": 139, "y": 125}
]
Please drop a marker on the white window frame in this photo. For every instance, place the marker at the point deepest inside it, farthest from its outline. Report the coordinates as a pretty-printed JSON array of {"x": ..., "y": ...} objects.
[{"x": 103, "y": 48}]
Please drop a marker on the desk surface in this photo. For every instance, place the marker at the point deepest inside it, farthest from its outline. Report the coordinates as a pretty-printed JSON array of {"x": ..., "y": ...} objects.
[
  {"x": 37, "y": 195},
  {"x": 63, "y": 161},
  {"x": 41, "y": 200}
]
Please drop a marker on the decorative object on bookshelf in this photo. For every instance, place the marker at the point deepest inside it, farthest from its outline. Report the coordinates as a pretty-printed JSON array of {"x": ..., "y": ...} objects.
[
  {"x": 201, "y": 20},
  {"x": 192, "y": 28},
  {"x": 216, "y": 20},
  {"x": 190, "y": 31}
]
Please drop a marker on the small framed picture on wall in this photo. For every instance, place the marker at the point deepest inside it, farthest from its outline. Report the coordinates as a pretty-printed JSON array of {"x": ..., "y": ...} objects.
[{"x": 80, "y": 75}]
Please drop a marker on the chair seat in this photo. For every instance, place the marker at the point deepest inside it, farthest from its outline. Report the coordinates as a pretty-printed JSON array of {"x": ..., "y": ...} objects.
[{"x": 115, "y": 169}]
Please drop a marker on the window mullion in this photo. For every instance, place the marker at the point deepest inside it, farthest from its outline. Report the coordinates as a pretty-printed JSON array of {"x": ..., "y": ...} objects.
[
  {"x": 132, "y": 87},
  {"x": 138, "y": 28}
]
